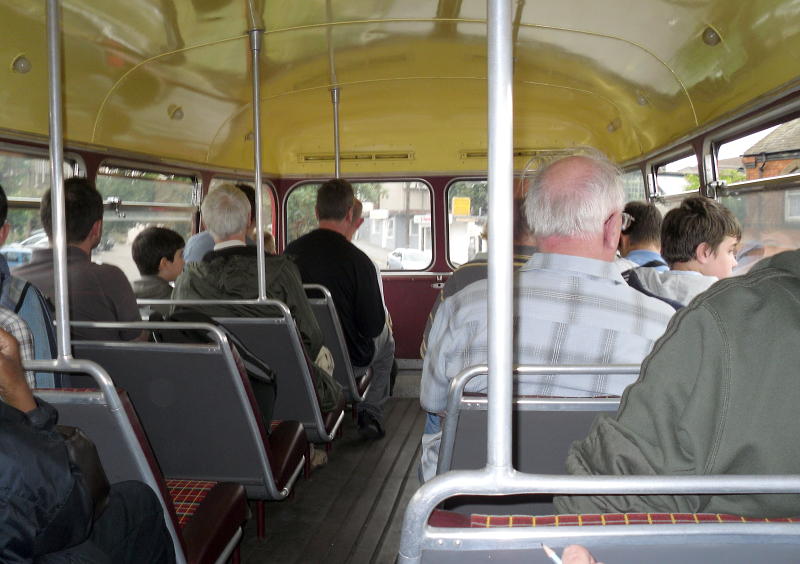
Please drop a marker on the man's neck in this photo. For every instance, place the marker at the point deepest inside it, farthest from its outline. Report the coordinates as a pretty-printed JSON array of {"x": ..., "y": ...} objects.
[
  {"x": 341, "y": 227},
  {"x": 591, "y": 247},
  {"x": 86, "y": 246},
  {"x": 645, "y": 247}
]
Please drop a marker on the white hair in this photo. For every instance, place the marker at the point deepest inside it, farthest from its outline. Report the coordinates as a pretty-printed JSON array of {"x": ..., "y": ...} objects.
[
  {"x": 226, "y": 211},
  {"x": 577, "y": 206}
]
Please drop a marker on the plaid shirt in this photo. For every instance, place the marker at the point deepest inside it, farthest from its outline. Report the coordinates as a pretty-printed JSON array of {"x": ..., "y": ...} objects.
[
  {"x": 568, "y": 310},
  {"x": 11, "y": 322}
]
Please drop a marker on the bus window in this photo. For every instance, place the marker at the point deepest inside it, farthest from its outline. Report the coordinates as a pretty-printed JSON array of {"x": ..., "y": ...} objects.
[
  {"x": 467, "y": 209},
  {"x": 146, "y": 198},
  {"x": 633, "y": 182},
  {"x": 678, "y": 176},
  {"x": 396, "y": 233},
  {"x": 267, "y": 197},
  {"x": 771, "y": 152},
  {"x": 25, "y": 178}
]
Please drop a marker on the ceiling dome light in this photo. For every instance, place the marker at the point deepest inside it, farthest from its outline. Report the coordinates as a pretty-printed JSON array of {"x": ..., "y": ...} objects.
[
  {"x": 21, "y": 64},
  {"x": 711, "y": 37},
  {"x": 175, "y": 112},
  {"x": 613, "y": 125}
]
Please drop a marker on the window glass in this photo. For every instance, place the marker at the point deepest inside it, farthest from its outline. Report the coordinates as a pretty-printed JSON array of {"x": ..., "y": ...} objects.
[
  {"x": 25, "y": 178},
  {"x": 467, "y": 209},
  {"x": 266, "y": 197},
  {"x": 147, "y": 199},
  {"x": 770, "y": 224},
  {"x": 396, "y": 233},
  {"x": 633, "y": 182},
  {"x": 774, "y": 151},
  {"x": 678, "y": 176}
]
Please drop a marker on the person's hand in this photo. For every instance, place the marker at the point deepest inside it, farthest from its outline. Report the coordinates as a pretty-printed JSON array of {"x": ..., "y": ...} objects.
[
  {"x": 14, "y": 388},
  {"x": 576, "y": 554}
]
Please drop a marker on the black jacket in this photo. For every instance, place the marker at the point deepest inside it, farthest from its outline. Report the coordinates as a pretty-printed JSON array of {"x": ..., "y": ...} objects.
[{"x": 44, "y": 505}]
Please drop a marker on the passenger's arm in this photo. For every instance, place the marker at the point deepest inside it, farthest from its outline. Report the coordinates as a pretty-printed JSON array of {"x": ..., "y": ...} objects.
[
  {"x": 370, "y": 316},
  {"x": 121, "y": 295},
  {"x": 445, "y": 337},
  {"x": 667, "y": 420},
  {"x": 14, "y": 388}
]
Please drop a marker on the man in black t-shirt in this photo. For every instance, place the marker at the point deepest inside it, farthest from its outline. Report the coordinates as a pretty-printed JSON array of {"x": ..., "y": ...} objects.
[{"x": 325, "y": 256}]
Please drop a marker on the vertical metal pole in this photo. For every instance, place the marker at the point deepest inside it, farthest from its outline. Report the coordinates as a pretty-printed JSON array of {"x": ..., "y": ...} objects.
[
  {"x": 59, "y": 235},
  {"x": 501, "y": 298},
  {"x": 336, "y": 152},
  {"x": 256, "y": 36}
]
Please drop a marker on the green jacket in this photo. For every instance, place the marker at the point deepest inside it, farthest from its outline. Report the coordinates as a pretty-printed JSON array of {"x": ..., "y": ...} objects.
[
  {"x": 717, "y": 395},
  {"x": 231, "y": 274}
]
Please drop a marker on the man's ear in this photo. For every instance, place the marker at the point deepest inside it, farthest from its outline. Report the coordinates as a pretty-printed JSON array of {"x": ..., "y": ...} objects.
[
  {"x": 316, "y": 213},
  {"x": 349, "y": 216},
  {"x": 162, "y": 264},
  {"x": 97, "y": 229},
  {"x": 611, "y": 233},
  {"x": 4, "y": 231},
  {"x": 703, "y": 253}
]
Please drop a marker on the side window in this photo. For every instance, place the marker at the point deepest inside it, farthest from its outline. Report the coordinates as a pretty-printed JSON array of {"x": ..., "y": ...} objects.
[
  {"x": 467, "y": 209},
  {"x": 771, "y": 152},
  {"x": 25, "y": 178},
  {"x": 633, "y": 183},
  {"x": 267, "y": 197},
  {"x": 143, "y": 199},
  {"x": 770, "y": 219},
  {"x": 396, "y": 233},
  {"x": 678, "y": 176}
]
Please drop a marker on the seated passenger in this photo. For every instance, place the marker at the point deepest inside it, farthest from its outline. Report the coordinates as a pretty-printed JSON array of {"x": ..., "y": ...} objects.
[
  {"x": 201, "y": 243},
  {"x": 477, "y": 268},
  {"x": 230, "y": 272},
  {"x": 698, "y": 241},
  {"x": 47, "y": 509},
  {"x": 326, "y": 256},
  {"x": 572, "y": 305},
  {"x": 640, "y": 243},
  {"x": 158, "y": 254},
  {"x": 717, "y": 395},
  {"x": 97, "y": 292}
]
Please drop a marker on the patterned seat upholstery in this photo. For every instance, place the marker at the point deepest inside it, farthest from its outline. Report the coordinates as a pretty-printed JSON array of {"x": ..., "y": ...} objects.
[{"x": 441, "y": 518}]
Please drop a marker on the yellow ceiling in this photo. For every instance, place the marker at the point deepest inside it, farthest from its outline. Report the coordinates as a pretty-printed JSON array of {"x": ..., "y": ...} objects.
[{"x": 627, "y": 76}]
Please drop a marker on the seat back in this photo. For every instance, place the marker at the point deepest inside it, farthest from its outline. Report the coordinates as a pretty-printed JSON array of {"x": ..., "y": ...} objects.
[
  {"x": 107, "y": 417},
  {"x": 196, "y": 406},
  {"x": 543, "y": 429},
  {"x": 328, "y": 320},
  {"x": 276, "y": 341}
]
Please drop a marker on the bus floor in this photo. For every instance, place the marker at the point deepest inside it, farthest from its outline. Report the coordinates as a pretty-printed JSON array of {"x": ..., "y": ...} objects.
[{"x": 351, "y": 509}]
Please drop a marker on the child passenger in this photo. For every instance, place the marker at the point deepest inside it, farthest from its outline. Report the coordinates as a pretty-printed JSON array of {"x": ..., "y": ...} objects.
[
  {"x": 698, "y": 241},
  {"x": 158, "y": 254}
]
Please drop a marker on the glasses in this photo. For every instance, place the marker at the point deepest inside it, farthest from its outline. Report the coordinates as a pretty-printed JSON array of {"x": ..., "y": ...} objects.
[{"x": 627, "y": 220}]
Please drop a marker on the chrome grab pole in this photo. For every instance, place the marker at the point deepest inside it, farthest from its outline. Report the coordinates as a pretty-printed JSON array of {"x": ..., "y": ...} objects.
[
  {"x": 59, "y": 235},
  {"x": 256, "y": 36},
  {"x": 500, "y": 304},
  {"x": 336, "y": 151},
  {"x": 335, "y": 92}
]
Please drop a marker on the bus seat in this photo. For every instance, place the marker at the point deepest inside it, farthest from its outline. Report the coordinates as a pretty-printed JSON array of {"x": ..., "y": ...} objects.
[
  {"x": 204, "y": 531},
  {"x": 543, "y": 430},
  {"x": 277, "y": 342},
  {"x": 328, "y": 320},
  {"x": 176, "y": 386}
]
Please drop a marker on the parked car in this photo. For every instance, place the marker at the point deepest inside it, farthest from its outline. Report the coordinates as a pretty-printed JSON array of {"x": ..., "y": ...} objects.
[
  {"x": 20, "y": 253},
  {"x": 408, "y": 259}
]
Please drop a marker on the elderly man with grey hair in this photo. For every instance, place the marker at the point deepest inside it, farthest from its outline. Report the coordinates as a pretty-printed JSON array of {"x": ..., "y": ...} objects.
[
  {"x": 230, "y": 272},
  {"x": 571, "y": 305}
]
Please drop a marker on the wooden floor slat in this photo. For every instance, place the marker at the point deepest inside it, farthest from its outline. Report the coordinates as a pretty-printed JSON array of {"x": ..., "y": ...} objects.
[{"x": 347, "y": 511}]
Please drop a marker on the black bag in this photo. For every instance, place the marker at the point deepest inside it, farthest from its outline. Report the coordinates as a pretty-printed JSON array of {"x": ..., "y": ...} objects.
[{"x": 83, "y": 454}]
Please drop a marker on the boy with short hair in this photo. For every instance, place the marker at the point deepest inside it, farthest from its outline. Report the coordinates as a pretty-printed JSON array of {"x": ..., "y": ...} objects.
[
  {"x": 158, "y": 254},
  {"x": 698, "y": 241}
]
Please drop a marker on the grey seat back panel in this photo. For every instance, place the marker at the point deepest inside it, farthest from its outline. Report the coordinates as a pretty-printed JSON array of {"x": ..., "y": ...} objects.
[
  {"x": 277, "y": 343},
  {"x": 190, "y": 402}
]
